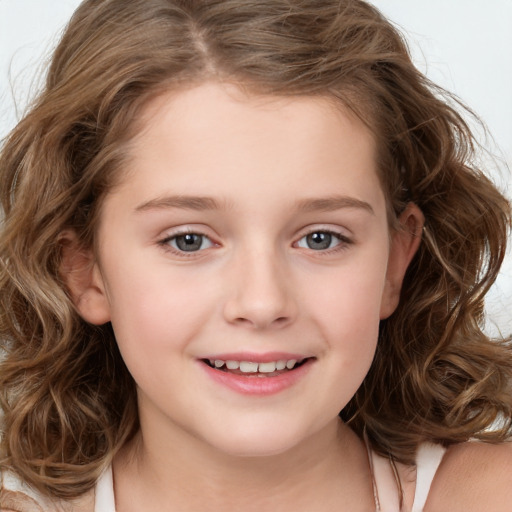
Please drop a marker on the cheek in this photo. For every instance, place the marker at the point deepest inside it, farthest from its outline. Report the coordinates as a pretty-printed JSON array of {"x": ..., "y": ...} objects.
[
  {"x": 351, "y": 298},
  {"x": 348, "y": 316},
  {"x": 352, "y": 332},
  {"x": 156, "y": 312}
]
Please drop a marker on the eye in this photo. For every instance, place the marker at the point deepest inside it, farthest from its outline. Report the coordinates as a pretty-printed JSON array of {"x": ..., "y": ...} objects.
[
  {"x": 189, "y": 242},
  {"x": 321, "y": 240}
]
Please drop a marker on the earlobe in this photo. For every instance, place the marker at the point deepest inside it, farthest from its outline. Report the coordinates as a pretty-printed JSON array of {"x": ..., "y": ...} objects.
[
  {"x": 404, "y": 244},
  {"x": 82, "y": 277}
]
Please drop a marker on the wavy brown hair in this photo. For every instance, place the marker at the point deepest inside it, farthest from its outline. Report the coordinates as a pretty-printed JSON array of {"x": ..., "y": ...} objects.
[{"x": 69, "y": 402}]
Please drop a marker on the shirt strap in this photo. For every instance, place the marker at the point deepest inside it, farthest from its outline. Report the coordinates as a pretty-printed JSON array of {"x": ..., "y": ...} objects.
[
  {"x": 386, "y": 487},
  {"x": 104, "y": 498},
  {"x": 428, "y": 459}
]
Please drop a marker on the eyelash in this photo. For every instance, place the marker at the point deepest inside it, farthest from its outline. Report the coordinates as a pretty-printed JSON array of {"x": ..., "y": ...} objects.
[{"x": 343, "y": 240}]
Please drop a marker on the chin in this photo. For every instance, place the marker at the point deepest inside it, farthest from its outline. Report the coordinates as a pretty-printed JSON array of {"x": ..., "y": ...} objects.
[{"x": 258, "y": 442}]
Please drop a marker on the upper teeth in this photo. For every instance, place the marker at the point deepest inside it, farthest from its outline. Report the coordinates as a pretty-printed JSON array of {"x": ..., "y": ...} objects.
[{"x": 251, "y": 367}]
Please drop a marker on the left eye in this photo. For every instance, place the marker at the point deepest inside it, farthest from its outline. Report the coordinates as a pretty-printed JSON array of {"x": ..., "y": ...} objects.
[
  {"x": 190, "y": 242},
  {"x": 319, "y": 240}
]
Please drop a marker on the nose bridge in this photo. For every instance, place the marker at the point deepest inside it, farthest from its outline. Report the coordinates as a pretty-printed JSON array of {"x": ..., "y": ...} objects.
[{"x": 260, "y": 288}]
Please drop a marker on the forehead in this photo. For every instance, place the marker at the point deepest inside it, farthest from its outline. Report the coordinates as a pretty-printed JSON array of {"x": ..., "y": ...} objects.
[
  {"x": 215, "y": 136},
  {"x": 210, "y": 104}
]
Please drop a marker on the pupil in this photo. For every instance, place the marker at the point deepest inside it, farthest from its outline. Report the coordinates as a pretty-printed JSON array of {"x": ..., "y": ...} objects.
[
  {"x": 189, "y": 242},
  {"x": 319, "y": 240}
]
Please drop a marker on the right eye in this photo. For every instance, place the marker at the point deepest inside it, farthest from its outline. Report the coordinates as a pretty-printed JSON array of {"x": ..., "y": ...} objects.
[{"x": 188, "y": 242}]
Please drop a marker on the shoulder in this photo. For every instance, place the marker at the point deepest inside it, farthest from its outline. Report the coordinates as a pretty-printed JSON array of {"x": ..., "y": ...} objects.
[
  {"x": 17, "y": 496},
  {"x": 473, "y": 476}
]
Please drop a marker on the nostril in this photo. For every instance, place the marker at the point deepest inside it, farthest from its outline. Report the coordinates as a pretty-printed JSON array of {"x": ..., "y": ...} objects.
[{"x": 242, "y": 320}]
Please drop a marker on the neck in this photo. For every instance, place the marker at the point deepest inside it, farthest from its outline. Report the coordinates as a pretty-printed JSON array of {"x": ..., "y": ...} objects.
[{"x": 325, "y": 471}]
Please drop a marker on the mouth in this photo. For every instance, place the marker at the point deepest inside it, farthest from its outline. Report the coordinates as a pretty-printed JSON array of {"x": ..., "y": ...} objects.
[
  {"x": 257, "y": 374},
  {"x": 256, "y": 369}
]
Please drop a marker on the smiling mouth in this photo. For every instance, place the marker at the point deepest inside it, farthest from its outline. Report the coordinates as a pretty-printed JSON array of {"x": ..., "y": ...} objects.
[{"x": 254, "y": 369}]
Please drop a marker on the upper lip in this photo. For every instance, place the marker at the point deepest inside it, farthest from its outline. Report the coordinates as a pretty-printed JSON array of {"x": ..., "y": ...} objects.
[{"x": 266, "y": 357}]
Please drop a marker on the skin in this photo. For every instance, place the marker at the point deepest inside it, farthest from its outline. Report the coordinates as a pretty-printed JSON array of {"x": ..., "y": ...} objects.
[
  {"x": 473, "y": 477},
  {"x": 255, "y": 285}
]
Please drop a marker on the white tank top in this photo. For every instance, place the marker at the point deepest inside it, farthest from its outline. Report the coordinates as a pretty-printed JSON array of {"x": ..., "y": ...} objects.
[
  {"x": 386, "y": 487},
  {"x": 385, "y": 481}
]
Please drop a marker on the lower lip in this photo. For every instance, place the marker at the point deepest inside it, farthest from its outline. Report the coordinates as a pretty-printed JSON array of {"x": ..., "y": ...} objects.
[{"x": 254, "y": 385}]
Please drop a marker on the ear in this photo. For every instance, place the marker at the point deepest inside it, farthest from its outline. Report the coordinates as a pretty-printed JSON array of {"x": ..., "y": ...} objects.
[
  {"x": 82, "y": 277},
  {"x": 404, "y": 243}
]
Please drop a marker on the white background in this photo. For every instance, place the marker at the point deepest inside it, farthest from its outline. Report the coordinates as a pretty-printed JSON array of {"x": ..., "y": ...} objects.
[{"x": 464, "y": 45}]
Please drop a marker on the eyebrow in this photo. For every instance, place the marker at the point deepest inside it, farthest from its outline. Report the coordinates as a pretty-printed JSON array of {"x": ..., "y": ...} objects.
[
  {"x": 202, "y": 203},
  {"x": 198, "y": 203},
  {"x": 329, "y": 204}
]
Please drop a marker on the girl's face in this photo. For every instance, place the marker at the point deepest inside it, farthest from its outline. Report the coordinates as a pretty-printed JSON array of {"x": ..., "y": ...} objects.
[{"x": 249, "y": 234}]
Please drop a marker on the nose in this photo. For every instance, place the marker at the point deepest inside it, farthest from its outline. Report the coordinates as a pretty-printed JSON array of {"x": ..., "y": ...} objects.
[{"x": 260, "y": 292}]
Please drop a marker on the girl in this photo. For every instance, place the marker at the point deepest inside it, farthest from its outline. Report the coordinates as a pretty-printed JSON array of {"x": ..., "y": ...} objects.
[{"x": 225, "y": 222}]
